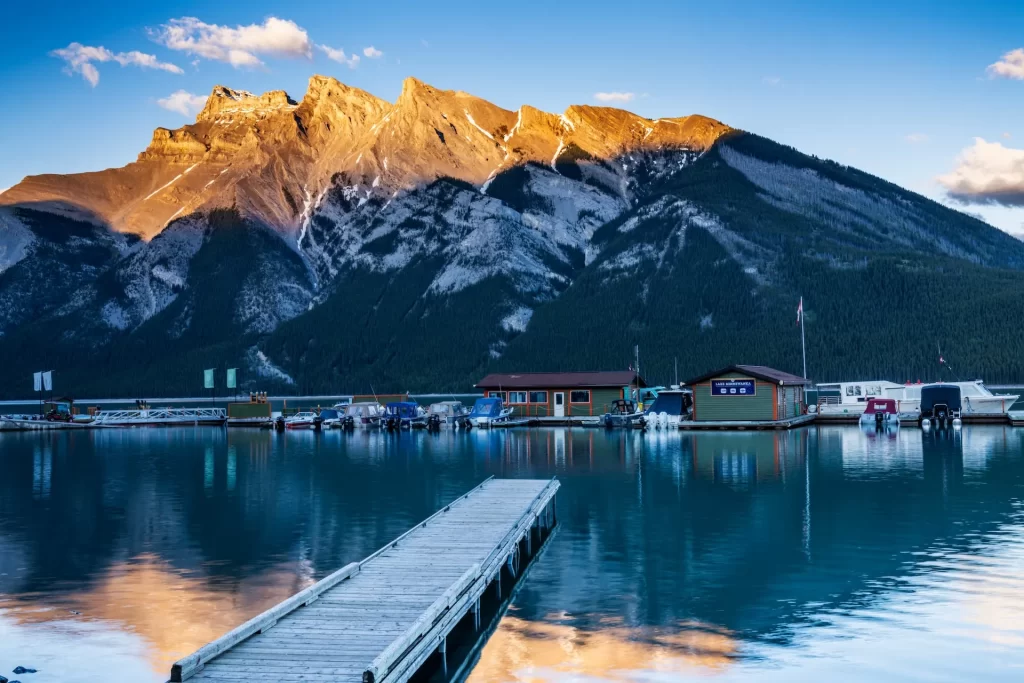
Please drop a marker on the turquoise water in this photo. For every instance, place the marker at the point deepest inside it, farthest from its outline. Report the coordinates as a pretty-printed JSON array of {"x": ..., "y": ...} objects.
[{"x": 826, "y": 553}]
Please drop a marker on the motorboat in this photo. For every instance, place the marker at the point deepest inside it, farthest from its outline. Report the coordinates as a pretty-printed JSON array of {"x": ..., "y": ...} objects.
[
  {"x": 624, "y": 414},
  {"x": 331, "y": 418},
  {"x": 881, "y": 412},
  {"x": 849, "y": 399},
  {"x": 977, "y": 400},
  {"x": 402, "y": 415},
  {"x": 449, "y": 413},
  {"x": 489, "y": 411},
  {"x": 671, "y": 407},
  {"x": 306, "y": 419},
  {"x": 941, "y": 405},
  {"x": 363, "y": 415}
]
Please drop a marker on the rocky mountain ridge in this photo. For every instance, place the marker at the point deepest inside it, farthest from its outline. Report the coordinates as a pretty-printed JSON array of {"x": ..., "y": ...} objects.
[{"x": 273, "y": 157}]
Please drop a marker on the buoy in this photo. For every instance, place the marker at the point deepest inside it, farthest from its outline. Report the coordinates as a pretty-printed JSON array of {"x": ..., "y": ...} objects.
[
  {"x": 926, "y": 423},
  {"x": 956, "y": 423}
]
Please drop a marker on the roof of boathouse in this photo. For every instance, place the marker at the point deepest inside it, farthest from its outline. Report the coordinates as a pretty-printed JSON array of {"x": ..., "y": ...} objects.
[
  {"x": 761, "y": 372},
  {"x": 560, "y": 380}
]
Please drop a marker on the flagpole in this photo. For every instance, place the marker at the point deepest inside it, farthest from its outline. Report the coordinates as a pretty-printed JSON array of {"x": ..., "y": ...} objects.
[{"x": 803, "y": 340}]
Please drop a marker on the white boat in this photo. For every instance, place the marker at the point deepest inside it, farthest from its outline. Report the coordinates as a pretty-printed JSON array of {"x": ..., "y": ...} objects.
[
  {"x": 488, "y": 412},
  {"x": 978, "y": 401},
  {"x": 849, "y": 399},
  {"x": 305, "y": 419},
  {"x": 362, "y": 415},
  {"x": 450, "y": 414}
]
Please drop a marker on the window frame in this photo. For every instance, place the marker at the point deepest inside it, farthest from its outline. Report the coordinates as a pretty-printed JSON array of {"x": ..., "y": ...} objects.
[
  {"x": 503, "y": 395},
  {"x": 525, "y": 395},
  {"x": 572, "y": 399},
  {"x": 532, "y": 394}
]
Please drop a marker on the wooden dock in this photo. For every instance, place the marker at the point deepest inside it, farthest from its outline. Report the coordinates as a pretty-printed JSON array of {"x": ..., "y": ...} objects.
[
  {"x": 387, "y": 617},
  {"x": 741, "y": 425}
]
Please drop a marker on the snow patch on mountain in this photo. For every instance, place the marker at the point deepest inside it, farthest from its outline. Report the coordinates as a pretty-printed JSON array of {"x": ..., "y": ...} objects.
[
  {"x": 259, "y": 363},
  {"x": 15, "y": 240}
]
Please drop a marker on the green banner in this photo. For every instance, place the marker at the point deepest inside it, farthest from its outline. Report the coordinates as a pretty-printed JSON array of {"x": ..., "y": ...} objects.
[
  {"x": 232, "y": 382},
  {"x": 208, "y": 379}
]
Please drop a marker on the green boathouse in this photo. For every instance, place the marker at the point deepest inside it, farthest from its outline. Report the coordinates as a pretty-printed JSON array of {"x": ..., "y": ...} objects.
[
  {"x": 561, "y": 394},
  {"x": 747, "y": 393}
]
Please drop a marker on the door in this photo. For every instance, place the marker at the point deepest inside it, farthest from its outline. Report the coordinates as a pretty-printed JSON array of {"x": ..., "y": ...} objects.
[{"x": 559, "y": 404}]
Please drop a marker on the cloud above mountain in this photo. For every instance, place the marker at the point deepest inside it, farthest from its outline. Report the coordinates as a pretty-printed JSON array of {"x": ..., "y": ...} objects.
[
  {"x": 81, "y": 59},
  {"x": 1010, "y": 66},
  {"x": 185, "y": 103},
  {"x": 239, "y": 46},
  {"x": 614, "y": 96},
  {"x": 338, "y": 55},
  {"x": 987, "y": 173},
  {"x": 372, "y": 52}
]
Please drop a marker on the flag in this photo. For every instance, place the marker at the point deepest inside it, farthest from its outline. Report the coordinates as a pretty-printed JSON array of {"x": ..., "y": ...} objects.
[
  {"x": 208, "y": 379},
  {"x": 800, "y": 310},
  {"x": 231, "y": 378},
  {"x": 48, "y": 380},
  {"x": 37, "y": 381}
]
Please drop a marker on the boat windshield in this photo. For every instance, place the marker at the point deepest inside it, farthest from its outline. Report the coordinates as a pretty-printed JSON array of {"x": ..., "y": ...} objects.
[
  {"x": 403, "y": 410},
  {"x": 487, "y": 407},
  {"x": 329, "y": 414}
]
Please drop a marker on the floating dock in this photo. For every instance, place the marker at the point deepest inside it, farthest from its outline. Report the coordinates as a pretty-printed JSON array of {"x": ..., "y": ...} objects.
[
  {"x": 789, "y": 423},
  {"x": 392, "y": 615}
]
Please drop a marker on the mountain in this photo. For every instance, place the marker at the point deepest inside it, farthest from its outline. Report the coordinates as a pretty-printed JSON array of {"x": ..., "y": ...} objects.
[{"x": 343, "y": 243}]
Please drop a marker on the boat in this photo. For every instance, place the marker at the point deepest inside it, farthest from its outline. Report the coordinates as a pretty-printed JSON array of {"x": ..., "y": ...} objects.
[
  {"x": 881, "y": 412},
  {"x": 847, "y": 400},
  {"x": 488, "y": 412},
  {"x": 624, "y": 414},
  {"x": 362, "y": 415},
  {"x": 305, "y": 419},
  {"x": 977, "y": 401},
  {"x": 330, "y": 418},
  {"x": 941, "y": 405},
  {"x": 450, "y": 414},
  {"x": 671, "y": 407},
  {"x": 402, "y": 415}
]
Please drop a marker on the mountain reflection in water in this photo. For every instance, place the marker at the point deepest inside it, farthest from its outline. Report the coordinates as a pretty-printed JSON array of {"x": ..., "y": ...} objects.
[{"x": 825, "y": 553}]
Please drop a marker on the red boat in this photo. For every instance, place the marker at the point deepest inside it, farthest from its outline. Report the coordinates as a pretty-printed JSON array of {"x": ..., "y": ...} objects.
[{"x": 881, "y": 412}]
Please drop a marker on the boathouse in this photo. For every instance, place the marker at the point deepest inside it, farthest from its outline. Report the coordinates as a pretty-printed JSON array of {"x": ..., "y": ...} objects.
[
  {"x": 561, "y": 394},
  {"x": 747, "y": 393}
]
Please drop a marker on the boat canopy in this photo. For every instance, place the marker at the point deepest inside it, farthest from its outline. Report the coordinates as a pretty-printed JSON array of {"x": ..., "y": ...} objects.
[
  {"x": 363, "y": 409},
  {"x": 329, "y": 414},
  {"x": 402, "y": 409},
  {"x": 446, "y": 408},
  {"x": 487, "y": 407},
  {"x": 671, "y": 402},
  {"x": 623, "y": 406},
  {"x": 881, "y": 405},
  {"x": 939, "y": 394}
]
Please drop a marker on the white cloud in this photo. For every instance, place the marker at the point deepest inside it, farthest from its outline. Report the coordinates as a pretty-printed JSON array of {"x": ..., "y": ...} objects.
[
  {"x": 1007, "y": 135},
  {"x": 238, "y": 46},
  {"x": 1010, "y": 66},
  {"x": 372, "y": 52},
  {"x": 917, "y": 138},
  {"x": 987, "y": 173},
  {"x": 80, "y": 60},
  {"x": 771, "y": 80},
  {"x": 614, "y": 96},
  {"x": 339, "y": 56},
  {"x": 183, "y": 102}
]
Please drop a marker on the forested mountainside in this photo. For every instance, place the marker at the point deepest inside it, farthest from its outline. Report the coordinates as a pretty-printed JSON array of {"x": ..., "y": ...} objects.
[{"x": 343, "y": 243}]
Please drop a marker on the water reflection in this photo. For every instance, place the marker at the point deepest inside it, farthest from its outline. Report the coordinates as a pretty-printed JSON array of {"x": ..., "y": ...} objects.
[{"x": 792, "y": 555}]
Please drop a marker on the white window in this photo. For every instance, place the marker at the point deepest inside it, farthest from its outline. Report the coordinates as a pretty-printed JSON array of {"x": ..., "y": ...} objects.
[
  {"x": 538, "y": 397},
  {"x": 579, "y": 396},
  {"x": 517, "y": 397}
]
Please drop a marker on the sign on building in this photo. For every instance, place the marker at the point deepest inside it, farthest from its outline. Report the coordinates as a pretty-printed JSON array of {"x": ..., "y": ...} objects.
[
  {"x": 208, "y": 379},
  {"x": 732, "y": 387}
]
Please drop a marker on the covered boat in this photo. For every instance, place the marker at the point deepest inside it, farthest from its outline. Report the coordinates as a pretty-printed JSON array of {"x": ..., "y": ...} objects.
[
  {"x": 625, "y": 414},
  {"x": 671, "y": 407},
  {"x": 941, "y": 404},
  {"x": 331, "y": 417},
  {"x": 364, "y": 415},
  {"x": 487, "y": 411},
  {"x": 402, "y": 415},
  {"x": 881, "y": 412},
  {"x": 450, "y": 413}
]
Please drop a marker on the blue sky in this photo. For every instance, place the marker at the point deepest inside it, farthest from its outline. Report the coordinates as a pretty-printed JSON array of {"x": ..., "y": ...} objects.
[{"x": 899, "y": 89}]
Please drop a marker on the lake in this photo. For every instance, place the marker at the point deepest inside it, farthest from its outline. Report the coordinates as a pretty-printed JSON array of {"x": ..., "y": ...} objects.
[{"x": 826, "y": 553}]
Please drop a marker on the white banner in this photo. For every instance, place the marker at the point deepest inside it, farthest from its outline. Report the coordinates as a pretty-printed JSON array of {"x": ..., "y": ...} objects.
[
  {"x": 48, "y": 380},
  {"x": 37, "y": 381}
]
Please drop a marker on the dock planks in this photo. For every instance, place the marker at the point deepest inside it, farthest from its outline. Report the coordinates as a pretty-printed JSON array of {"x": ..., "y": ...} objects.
[{"x": 379, "y": 620}]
